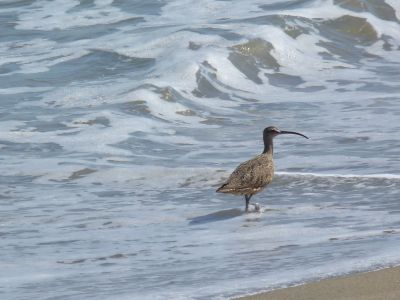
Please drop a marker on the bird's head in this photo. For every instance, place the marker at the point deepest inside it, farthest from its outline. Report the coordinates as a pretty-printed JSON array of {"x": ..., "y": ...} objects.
[{"x": 272, "y": 131}]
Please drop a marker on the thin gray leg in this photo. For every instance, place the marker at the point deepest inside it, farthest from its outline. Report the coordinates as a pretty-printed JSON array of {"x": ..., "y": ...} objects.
[{"x": 247, "y": 197}]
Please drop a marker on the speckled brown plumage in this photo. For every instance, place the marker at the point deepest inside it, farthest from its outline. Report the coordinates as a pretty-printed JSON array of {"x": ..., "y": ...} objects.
[{"x": 252, "y": 176}]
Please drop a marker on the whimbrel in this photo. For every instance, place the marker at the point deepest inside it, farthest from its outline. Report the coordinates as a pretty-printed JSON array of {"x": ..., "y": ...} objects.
[{"x": 252, "y": 176}]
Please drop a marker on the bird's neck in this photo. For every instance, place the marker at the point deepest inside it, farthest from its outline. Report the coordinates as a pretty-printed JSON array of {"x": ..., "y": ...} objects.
[{"x": 268, "y": 145}]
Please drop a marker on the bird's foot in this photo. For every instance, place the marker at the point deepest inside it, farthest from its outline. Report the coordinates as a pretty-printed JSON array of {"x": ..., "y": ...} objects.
[{"x": 256, "y": 208}]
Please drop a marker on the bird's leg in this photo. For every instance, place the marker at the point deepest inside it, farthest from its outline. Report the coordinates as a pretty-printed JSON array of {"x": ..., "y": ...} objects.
[
  {"x": 247, "y": 197},
  {"x": 256, "y": 205}
]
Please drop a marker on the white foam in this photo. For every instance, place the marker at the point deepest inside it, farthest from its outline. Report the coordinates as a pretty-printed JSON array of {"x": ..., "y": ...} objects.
[
  {"x": 229, "y": 75},
  {"x": 396, "y": 6},
  {"x": 377, "y": 176},
  {"x": 57, "y": 14},
  {"x": 327, "y": 10},
  {"x": 84, "y": 137},
  {"x": 38, "y": 55},
  {"x": 177, "y": 11},
  {"x": 162, "y": 108},
  {"x": 23, "y": 89}
]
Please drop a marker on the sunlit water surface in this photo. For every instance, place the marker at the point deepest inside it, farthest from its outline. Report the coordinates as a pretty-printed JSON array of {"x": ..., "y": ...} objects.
[{"x": 119, "y": 119}]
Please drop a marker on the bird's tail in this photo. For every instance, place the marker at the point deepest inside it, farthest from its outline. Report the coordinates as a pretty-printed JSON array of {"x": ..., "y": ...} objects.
[{"x": 223, "y": 188}]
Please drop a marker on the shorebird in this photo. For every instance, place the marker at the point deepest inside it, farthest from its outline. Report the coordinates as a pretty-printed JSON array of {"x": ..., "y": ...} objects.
[{"x": 252, "y": 176}]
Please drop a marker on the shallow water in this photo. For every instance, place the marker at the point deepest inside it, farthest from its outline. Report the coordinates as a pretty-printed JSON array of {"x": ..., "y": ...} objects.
[{"x": 118, "y": 120}]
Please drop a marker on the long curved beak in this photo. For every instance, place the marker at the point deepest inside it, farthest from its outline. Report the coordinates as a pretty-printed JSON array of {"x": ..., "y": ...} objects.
[{"x": 292, "y": 132}]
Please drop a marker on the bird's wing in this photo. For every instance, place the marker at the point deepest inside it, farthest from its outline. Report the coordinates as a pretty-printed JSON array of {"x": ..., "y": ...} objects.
[{"x": 252, "y": 174}]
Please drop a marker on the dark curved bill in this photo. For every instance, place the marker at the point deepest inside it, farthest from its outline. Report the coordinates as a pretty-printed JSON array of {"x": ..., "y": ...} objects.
[{"x": 292, "y": 132}]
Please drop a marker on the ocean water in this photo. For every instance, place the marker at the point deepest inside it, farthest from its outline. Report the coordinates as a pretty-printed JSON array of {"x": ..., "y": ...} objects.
[{"x": 119, "y": 119}]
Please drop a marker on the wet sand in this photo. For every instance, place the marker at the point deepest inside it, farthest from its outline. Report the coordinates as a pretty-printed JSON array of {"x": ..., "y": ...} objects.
[{"x": 376, "y": 285}]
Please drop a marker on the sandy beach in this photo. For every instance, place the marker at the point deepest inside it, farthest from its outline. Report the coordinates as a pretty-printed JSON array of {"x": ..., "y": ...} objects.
[{"x": 376, "y": 285}]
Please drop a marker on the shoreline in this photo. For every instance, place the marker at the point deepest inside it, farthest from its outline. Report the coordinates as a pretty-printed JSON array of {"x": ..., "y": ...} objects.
[{"x": 372, "y": 285}]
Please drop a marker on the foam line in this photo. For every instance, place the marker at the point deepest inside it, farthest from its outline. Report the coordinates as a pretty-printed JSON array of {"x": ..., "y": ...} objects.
[{"x": 372, "y": 176}]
